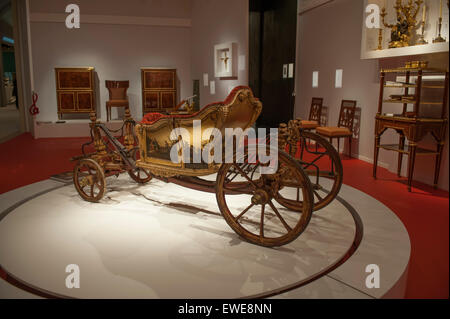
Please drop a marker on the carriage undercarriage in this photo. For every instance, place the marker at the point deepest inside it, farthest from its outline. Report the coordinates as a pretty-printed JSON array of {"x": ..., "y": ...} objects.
[{"x": 275, "y": 208}]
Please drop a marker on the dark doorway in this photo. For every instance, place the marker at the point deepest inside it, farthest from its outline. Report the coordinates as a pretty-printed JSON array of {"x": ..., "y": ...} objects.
[{"x": 272, "y": 46}]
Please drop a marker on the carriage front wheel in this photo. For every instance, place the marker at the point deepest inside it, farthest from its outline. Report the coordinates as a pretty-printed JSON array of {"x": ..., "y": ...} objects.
[
  {"x": 247, "y": 199},
  {"x": 89, "y": 180},
  {"x": 139, "y": 175}
]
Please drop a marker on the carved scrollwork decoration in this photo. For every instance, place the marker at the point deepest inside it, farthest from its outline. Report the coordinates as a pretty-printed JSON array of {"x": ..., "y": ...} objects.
[
  {"x": 282, "y": 136},
  {"x": 315, "y": 113},
  {"x": 347, "y": 116}
]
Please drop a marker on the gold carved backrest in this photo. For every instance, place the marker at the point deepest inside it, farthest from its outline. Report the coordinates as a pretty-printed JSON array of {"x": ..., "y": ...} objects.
[
  {"x": 242, "y": 111},
  {"x": 117, "y": 89},
  {"x": 347, "y": 114},
  {"x": 239, "y": 110},
  {"x": 315, "y": 112}
]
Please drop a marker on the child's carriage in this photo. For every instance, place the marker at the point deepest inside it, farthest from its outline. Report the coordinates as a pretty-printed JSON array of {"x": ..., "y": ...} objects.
[{"x": 264, "y": 194}]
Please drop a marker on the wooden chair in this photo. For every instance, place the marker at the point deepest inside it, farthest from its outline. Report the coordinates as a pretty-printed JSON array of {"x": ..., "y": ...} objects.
[
  {"x": 117, "y": 96},
  {"x": 345, "y": 125},
  {"x": 315, "y": 113}
]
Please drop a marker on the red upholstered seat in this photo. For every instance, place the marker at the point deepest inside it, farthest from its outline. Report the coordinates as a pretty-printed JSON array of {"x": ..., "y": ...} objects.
[{"x": 151, "y": 118}]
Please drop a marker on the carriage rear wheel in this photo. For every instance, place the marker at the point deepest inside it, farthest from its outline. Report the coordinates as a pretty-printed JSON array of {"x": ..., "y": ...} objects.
[
  {"x": 139, "y": 175},
  {"x": 321, "y": 162},
  {"x": 247, "y": 200},
  {"x": 89, "y": 180}
]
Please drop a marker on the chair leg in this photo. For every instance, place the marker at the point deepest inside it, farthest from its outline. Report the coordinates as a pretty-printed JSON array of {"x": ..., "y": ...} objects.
[
  {"x": 332, "y": 164},
  {"x": 107, "y": 113},
  {"x": 411, "y": 162},
  {"x": 339, "y": 145},
  {"x": 350, "y": 139},
  {"x": 438, "y": 164},
  {"x": 375, "y": 156},
  {"x": 400, "y": 155}
]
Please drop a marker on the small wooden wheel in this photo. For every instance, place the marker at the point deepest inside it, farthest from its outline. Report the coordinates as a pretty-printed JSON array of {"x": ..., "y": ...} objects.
[
  {"x": 139, "y": 175},
  {"x": 247, "y": 200},
  {"x": 89, "y": 180},
  {"x": 321, "y": 162}
]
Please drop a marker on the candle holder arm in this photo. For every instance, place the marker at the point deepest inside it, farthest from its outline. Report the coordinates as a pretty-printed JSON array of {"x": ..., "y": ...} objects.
[{"x": 383, "y": 15}]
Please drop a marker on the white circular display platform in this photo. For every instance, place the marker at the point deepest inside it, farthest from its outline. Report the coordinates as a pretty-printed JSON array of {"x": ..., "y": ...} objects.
[{"x": 165, "y": 241}]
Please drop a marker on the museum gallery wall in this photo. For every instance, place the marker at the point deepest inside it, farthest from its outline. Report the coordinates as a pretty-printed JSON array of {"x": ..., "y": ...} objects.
[
  {"x": 117, "y": 52},
  {"x": 216, "y": 22},
  {"x": 118, "y": 49},
  {"x": 339, "y": 47},
  {"x": 190, "y": 50}
]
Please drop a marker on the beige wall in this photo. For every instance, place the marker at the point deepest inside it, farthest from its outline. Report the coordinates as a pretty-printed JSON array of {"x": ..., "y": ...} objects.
[
  {"x": 116, "y": 51},
  {"x": 329, "y": 39},
  {"x": 134, "y": 8},
  {"x": 215, "y": 22}
]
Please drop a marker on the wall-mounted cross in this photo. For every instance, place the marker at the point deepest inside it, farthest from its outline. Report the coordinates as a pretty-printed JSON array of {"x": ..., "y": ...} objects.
[{"x": 225, "y": 60}]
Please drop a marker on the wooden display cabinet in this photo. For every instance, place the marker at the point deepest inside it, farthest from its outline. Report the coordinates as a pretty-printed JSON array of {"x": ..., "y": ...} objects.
[
  {"x": 75, "y": 90},
  {"x": 412, "y": 126},
  {"x": 159, "y": 90}
]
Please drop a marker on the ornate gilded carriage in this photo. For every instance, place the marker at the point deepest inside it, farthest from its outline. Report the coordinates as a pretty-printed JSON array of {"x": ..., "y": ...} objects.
[
  {"x": 240, "y": 110},
  {"x": 265, "y": 208}
]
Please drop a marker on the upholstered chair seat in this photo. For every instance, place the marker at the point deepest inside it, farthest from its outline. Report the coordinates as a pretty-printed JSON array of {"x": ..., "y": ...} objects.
[
  {"x": 117, "y": 102},
  {"x": 345, "y": 125},
  {"x": 315, "y": 113},
  {"x": 334, "y": 131},
  {"x": 309, "y": 125}
]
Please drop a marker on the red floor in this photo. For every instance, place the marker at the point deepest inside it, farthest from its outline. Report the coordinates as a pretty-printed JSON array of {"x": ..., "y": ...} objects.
[{"x": 424, "y": 212}]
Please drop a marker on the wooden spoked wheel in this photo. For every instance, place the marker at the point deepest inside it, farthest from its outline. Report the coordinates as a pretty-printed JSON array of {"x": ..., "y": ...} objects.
[
  {"x": 89, "y": 180},
  {"x": 247, "y": 200},
  {"x": 321, "y": 162},
  {"x": 139, "y": 175}
]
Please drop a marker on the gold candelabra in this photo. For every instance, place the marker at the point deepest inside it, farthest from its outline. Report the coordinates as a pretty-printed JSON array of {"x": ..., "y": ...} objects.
[
  {"x": 406, "y": 22},
  {"x": 421, "y": 39},
  {"x": 380, "y": 39},
  {"x": 439, "y": 37}
]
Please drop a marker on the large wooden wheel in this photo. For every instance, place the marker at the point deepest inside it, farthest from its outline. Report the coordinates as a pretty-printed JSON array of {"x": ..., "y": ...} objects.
[
  {"x": 248, "y": 200},
  {"x": 321, "y": 162},
  {"x": 139, "y": 175},
  {"x": 89, "y": 180}
]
